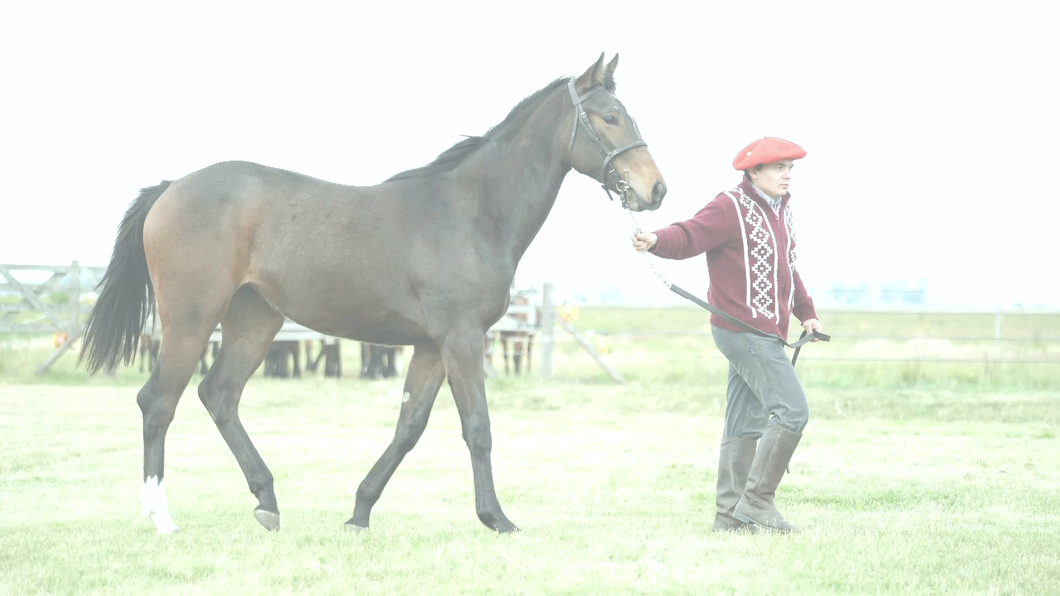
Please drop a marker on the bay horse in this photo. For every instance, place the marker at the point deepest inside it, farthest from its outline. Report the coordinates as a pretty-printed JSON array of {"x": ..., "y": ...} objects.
[{"x": 235, "y": 243}]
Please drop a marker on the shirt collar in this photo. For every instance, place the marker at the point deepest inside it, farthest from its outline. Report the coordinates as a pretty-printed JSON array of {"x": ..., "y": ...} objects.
[{"x": 774, "y": 203}]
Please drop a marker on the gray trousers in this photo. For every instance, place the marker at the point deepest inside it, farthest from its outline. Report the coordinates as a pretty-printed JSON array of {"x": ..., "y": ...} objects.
[{"x": 762, "y": 387}]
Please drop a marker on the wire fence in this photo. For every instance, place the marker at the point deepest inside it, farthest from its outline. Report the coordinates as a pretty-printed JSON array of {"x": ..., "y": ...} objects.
[{"x": 923, "y": 336}]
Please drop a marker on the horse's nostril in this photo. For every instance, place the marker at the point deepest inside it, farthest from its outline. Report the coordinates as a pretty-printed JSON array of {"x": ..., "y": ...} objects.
[{"x": 658, "y": 192}]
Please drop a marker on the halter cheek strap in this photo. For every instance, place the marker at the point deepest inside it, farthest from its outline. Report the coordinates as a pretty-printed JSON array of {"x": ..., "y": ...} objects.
[{"x": 581, "y": 119}]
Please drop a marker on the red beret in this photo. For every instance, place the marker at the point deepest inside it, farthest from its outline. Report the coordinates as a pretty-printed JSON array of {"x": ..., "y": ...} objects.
[{"x": 766, "y": 150}]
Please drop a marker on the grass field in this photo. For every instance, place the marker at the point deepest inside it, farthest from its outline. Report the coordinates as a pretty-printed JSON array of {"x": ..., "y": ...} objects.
[{"x": 944, "y": 481}]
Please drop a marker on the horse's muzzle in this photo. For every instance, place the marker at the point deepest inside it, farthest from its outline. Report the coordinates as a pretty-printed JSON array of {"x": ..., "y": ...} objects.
[
  {"x": 651, "y": 202},
  {"x": 657, "y": 193}
]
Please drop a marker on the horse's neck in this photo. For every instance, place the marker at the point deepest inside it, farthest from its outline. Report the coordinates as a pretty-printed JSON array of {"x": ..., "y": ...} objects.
[{"x": 525, "y": 170}]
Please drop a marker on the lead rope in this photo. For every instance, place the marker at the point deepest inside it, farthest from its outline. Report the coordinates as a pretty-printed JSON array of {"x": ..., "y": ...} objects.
[
  {"x": 623, "y": 192},
  {"x": 647, "y": 257}
]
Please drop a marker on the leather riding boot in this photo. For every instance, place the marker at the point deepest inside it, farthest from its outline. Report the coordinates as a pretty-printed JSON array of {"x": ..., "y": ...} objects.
[
  {"x": 734, "y": 462},
  {"x": 770, "y": 461}
]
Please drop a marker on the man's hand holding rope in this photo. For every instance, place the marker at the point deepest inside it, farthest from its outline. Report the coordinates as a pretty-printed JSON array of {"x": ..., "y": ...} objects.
[{"x": 643, "y": 242}]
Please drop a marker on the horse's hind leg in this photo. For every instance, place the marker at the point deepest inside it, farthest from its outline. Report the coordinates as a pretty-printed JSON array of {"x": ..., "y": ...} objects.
[
  {"x": 424, "y": 379},
  {"x": 158, "y": 402},
  {"x": 247, "y": 330}
]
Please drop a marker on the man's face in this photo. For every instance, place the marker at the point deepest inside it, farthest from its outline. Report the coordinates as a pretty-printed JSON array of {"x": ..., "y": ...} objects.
[{"x": 773, "y": 178}]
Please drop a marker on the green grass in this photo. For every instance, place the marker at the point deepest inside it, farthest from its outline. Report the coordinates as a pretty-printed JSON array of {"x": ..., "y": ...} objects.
[
  {"x": 938, "y": 479},
  {"x": 613, "y": 486}
]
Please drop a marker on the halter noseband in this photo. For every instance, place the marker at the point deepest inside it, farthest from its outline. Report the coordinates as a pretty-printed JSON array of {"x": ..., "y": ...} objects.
[{"x": 581, "y": 118}]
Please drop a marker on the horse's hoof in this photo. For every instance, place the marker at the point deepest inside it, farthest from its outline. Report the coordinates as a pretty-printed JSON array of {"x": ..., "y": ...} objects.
[
  {"x": 352, "y": 527},
  {"x": 503, "y": 526},
  {"x": 164, "y": 525},
  {"x": 268, "y": 519},
  {"x": 164, "y": 530}
]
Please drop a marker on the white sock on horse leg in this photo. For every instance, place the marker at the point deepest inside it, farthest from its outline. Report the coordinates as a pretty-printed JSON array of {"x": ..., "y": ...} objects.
[{"x": 153, "y": 503}]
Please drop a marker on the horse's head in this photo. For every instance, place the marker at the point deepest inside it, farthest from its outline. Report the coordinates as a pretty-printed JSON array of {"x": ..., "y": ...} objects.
[{"x": 605, "y": 143}]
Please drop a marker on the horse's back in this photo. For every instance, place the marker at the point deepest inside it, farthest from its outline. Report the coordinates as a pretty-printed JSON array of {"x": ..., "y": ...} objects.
[
  {"x": 238, "y": 199},
  {"x": 245, "y": 184}
]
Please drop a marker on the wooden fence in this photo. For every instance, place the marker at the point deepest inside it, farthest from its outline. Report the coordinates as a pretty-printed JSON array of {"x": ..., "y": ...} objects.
[{"x": 37, "y": 311}]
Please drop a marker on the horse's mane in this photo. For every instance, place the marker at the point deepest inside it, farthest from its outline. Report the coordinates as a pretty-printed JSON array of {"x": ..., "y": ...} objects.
[{"x": 452, "y": 156}]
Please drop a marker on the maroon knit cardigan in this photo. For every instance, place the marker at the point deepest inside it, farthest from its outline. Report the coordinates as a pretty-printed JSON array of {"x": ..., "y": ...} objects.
[{"x": 750, "y": 259}]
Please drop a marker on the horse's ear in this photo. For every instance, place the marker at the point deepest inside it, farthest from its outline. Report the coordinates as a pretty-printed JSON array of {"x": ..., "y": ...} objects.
[
  {"x": 592, "y": 77},
  {"x": 609, "y": 74}
]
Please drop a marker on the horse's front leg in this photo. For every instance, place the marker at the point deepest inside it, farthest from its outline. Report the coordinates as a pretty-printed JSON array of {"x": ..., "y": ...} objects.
[
  {"x": 425, "y": 377},
  {"x": 462, "y": 356}
]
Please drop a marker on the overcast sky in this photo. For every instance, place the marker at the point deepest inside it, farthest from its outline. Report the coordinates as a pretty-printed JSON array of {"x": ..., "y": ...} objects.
[{"x": 931, "y": 127}]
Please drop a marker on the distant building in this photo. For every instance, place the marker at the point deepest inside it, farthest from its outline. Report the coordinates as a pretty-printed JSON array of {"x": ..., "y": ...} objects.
[{"x": 865, "y": 294}]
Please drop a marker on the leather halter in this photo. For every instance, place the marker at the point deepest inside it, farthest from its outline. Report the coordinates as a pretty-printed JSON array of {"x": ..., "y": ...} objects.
[{"x": 582, "y": 119}]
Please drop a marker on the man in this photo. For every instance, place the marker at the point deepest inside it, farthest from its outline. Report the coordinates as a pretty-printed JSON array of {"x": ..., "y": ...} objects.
[{"x": 749, "y": 239}]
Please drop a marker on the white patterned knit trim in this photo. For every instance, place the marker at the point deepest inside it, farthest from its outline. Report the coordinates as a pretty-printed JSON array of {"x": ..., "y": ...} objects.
[
  {"x": 764, "y": 247},
  {"x": 746, "y": 258},
  {"x": 790, "y": 223}
]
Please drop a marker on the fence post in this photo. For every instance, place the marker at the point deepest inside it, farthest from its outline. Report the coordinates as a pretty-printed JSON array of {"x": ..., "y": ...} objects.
[{"x": 548, "y": 320}]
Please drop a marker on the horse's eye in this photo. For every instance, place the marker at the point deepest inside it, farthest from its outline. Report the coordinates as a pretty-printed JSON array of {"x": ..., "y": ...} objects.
[{"x": 610, "y": 120}]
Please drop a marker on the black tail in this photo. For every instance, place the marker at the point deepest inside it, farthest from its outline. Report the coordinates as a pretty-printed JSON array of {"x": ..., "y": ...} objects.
[{"x": 126, "y": 295}]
